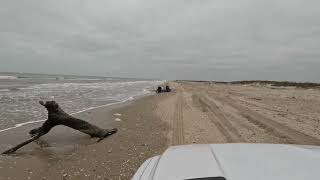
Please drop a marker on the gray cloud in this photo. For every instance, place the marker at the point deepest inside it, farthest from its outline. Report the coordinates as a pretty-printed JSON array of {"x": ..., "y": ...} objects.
[{"x": 211, "y": 40}]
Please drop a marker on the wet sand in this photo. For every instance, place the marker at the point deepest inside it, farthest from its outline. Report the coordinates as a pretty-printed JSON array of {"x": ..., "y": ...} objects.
[{"x": 196, "y": 112}]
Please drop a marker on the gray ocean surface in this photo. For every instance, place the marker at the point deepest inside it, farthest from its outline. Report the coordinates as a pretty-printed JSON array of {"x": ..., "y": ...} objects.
[{"x": 20, "y": 93}]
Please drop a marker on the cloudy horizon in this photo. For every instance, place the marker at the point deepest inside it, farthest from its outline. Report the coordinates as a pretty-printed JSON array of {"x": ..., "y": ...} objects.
[{"x": 176, "y": 39}]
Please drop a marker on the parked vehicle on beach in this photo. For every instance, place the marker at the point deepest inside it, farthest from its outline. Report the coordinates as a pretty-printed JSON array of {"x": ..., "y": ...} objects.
[
  {"x": 163, "y": 89},
  {"x": 233, "y": 162}
]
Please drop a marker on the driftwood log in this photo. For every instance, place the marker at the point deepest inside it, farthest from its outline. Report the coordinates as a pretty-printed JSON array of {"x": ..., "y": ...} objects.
[{"x": 56, "y": 116}]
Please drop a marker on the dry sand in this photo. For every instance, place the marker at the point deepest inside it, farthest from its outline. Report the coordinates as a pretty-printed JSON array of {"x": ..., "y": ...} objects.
[{"x": 196, "y": 112}]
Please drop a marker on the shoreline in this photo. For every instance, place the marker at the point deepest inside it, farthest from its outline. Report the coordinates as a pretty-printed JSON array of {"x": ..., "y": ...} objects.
[{"x": 54, "y": 150}]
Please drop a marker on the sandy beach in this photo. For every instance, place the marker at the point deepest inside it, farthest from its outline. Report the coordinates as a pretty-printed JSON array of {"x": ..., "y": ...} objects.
[{"x": 195, "y": 112}]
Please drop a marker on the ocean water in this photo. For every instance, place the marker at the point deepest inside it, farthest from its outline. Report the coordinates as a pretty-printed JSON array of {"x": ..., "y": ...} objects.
[{"x": 20, "y": 93}]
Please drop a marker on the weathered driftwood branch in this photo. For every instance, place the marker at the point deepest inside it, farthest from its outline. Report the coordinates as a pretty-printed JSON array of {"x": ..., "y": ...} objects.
[{"x": 56, "y": 116}]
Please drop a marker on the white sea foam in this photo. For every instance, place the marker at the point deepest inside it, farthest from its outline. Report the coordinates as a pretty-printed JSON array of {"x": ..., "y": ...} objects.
[
  {"x": 85, "y": 79},
  {"x": 7, "y": 77},
  {"x": 26, "y": 88},
  {"x": 21, "y": 124}
]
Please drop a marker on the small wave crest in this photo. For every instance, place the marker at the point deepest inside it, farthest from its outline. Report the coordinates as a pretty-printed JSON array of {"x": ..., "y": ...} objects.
[
  {"x": 8, "y": 77},
  {"x": 4, "y": 90}
]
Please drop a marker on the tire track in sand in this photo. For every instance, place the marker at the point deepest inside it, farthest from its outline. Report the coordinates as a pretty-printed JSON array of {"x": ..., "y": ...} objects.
[
  {"x": 178, "y": 130},
  {"x": 271, "y": 126},
  {"x": 218, "y": 118}
]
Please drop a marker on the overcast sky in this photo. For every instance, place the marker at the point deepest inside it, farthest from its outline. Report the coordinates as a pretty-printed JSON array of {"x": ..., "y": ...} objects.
[{"x": 165, "y": 39}]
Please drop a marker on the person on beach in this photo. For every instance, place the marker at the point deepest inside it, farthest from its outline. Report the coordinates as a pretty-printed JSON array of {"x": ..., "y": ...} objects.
[
  {"x": 168, "y": 89},
  {"x": 159, "y": 89}
]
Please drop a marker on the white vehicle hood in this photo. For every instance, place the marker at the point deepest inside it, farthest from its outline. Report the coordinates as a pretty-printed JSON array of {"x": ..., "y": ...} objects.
[{"x": 233, "y": 162}]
